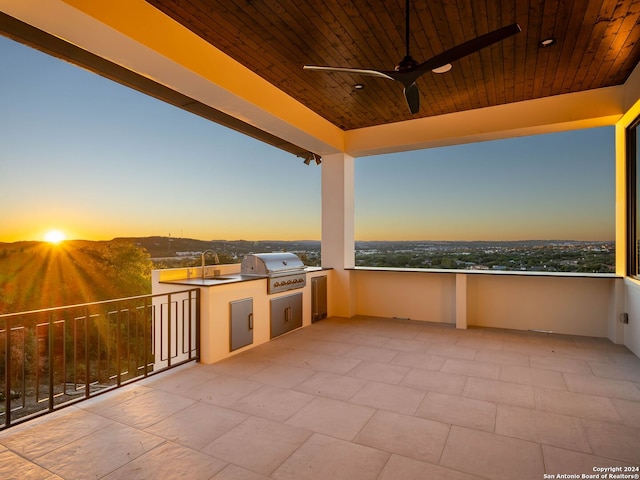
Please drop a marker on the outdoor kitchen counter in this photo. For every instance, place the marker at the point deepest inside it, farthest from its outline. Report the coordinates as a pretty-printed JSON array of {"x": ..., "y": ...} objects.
[
  {"x": 213, "y": 281},
  {"x": 226, "y": 279},
  {"x": 233, "y": 291}
]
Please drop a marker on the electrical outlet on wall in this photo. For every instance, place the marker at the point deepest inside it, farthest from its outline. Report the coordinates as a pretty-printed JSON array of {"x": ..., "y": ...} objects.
[{"x": 624, "y": 317}]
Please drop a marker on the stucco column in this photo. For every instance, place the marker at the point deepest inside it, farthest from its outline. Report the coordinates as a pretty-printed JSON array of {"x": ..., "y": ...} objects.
[
  {"x": 338, "y": 242},
  {"x": 461, "y": 300}
]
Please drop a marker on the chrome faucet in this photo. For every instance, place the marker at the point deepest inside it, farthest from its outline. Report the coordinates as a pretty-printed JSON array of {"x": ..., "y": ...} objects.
[{"x": 215, "y": 258}]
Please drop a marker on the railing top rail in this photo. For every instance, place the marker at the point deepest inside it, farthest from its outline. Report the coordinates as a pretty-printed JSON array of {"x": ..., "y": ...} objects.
[{"x": 101, "y": 302}]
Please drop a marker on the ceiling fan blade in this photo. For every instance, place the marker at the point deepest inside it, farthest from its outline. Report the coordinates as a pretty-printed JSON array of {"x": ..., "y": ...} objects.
[
  {"x": 467, "y": 48},
  {"x": 357, "y": 71},
  {"x": 412, "y": 94},
  {"x": 407, "y": 71}
]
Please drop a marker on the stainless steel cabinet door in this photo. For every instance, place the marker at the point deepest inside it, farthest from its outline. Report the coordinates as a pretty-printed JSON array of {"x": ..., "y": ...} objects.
[
  {"x": 286, "y": 314},
  {"x": 241, "y": 323},
  {"x": 318, "y": 298}
]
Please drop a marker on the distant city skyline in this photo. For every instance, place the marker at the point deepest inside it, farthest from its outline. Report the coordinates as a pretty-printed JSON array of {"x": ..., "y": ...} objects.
[{"x": 96, "y": 160}]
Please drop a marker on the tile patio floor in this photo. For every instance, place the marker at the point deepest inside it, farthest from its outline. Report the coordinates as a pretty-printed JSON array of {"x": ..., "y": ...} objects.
[{"x": 355, "y": 399}]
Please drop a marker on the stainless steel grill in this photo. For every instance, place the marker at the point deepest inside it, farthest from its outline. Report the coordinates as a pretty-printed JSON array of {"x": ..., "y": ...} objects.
[{"x": 284, "y": 271}]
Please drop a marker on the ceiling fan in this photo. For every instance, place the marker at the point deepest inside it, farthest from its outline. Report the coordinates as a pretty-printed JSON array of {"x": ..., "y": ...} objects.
[{"x": 409, "y": 70}]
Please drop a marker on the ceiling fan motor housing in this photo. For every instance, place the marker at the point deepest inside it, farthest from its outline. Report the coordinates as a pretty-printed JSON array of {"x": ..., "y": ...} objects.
[{"x": 408, "y": 64}]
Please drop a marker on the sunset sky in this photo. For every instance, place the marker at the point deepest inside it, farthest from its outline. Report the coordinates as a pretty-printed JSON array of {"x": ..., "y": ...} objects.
[
  {"x": 96, "y": 160},
  {"x": 548, "y": 187}
]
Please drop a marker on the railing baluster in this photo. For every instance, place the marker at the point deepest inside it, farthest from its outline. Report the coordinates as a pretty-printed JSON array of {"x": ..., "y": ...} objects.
[
  {"x": 87, "y": 367},
  {"x": 197, "y": 321},
  {"x": 118, "y": 340},
  {"x": 37, "y": 361},
  {"x": 99, "y": 348},
  {"x": 24, "y": 366},
  {"x": 188, "y": 321},
  {"x": 144, "y": 335},
  {"x": 168, "y": 330},
  {"x": 64, "y": 356},
  {"x": 75, "y": 340},
  {"x": 7, "y": 372},
  {"x": 108, "y": 347},
  {"x": 51, "y": 359}
]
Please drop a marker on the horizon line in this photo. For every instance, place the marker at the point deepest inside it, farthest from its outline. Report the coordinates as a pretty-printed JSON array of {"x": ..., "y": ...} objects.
[{"x": 319, "y": 241}]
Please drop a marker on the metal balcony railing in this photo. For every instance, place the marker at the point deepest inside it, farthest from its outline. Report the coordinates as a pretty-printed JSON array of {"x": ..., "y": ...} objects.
[{"x": 58, "y": 356}]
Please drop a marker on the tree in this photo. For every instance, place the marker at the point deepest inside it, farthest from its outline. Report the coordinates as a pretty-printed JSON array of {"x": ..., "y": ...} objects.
[{"x": 129, "y": 268}]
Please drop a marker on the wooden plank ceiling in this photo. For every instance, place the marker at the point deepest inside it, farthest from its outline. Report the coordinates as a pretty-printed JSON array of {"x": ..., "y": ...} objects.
[{"x": 597, "y": 45}]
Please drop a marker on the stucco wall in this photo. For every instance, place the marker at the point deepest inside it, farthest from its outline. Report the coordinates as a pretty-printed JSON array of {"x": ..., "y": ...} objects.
[
  {"x": 418, "y": 296},
  {"x": 569, "y": 305},
  {"x": 632, "y": 304}
]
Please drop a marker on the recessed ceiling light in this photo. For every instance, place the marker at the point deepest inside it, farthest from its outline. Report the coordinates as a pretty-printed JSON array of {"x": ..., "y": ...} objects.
[
  {"x": 358, "y": 86},
  {"x": 443, "y": 69},
  {"x": 547, "y": 42}
]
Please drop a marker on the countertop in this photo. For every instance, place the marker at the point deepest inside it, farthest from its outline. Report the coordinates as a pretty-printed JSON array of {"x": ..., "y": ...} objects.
[
  {"x": 212, "y": 281},
  {"x": 226, "y": 279}
]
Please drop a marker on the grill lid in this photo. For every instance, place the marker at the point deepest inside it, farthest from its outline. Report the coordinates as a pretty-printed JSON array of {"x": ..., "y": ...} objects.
[{"x": 271, "y": 264}]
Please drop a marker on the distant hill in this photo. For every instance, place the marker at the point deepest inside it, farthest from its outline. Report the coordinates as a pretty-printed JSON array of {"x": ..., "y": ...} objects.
[{"x": 159, "y": 246}]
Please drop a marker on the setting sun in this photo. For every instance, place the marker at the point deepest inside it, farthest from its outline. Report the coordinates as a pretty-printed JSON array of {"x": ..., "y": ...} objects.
[{"x": 54, "y": 236}]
